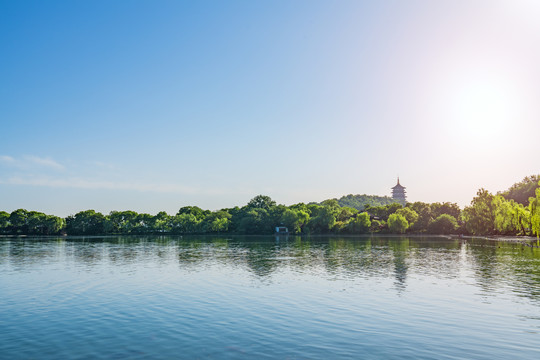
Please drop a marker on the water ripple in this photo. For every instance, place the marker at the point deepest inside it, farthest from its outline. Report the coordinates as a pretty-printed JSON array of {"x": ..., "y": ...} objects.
[{"x": 302, "y": 298}]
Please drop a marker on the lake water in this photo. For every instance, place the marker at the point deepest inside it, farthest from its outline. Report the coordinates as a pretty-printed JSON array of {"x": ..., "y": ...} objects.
[{"x": 268, "y": 298}]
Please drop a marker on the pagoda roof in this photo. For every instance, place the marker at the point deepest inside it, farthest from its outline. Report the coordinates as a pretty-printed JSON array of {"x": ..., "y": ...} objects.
[{"x": 399, "y": 186}]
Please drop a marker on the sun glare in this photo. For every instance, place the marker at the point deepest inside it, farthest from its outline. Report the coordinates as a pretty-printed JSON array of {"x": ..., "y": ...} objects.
[{"x": 480, "y": 108}]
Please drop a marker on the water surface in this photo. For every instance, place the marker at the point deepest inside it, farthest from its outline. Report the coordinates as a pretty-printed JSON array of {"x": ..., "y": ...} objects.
[{"x": 266, "y": 297}]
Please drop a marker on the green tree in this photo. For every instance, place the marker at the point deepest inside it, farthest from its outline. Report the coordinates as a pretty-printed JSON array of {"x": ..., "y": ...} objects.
[
  {"x": 36, "y": 222},
  {"x": 185, "y": 224},
  {"x": 255, "y": 221},
  {"x": 325, "y": 219},
  {"x": 53, "y": 224},
  {"x": 123, "y": 221},
  {"x": 506, "y": 216},
  {"x": 359, "y": 224},
  {"x": 4, "y": 221},
  {"x": 332, "y": 204},
  {"x": 408, "y": 214},
  {"x": 425, "y": 216},
  {"x": 236, "y": 217},
  {"x": 445, "y": 208},
  {"x": 397, "y": 224},
  {"x": 88, "y": 222},
  {"x": 294, "y": 220},
  {"x": 161, "y": 223},
  {"x": 478, "y": 217},
  {"x": 345, "y": 213},
  {"x": 300, "y": 206},
  {"x": 196, "y": 211},
  {"x": 218, "y": 225},
  {"x": 383, "y": 212},
  {"x": 261, "y": 202},
  {"x": 534, "y": 205},
  {"x": 378, "y": 226},
  {"x": 524, "y": 219},
  {"x": 443, "y": 224},
  {"x": 522, "y": 191},
  {"x": 217, "y": 221},
  {"x": 19, "y": 221},
  {"x": 275, "y": 213},
  {"x": 314, "y": 209},
  {"x": 143, "y": 224}
]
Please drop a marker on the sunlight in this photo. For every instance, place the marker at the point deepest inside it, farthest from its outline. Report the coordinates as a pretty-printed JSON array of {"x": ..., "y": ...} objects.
[
  {"x": 481, "y": 108},
  {"x": 525, "y": 13}
]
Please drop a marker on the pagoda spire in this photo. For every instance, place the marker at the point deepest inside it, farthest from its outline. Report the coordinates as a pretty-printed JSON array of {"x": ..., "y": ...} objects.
[{"x": 399, "y": 193}]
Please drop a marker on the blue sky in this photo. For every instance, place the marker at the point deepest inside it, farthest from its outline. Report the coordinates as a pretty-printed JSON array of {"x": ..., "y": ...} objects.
[{"x": 154, "y": 105}]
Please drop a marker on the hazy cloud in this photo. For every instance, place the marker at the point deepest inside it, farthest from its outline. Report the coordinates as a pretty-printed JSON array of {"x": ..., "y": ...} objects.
[
  {"x": 46, "y": 162},
  {"x": 79, "y": 183},
  {"x": 6, "y": 159},
  {"x": 31, "y": 161}
]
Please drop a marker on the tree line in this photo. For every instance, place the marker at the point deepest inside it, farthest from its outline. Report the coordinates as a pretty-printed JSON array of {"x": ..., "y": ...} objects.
[{"x": 506, "y": 213}]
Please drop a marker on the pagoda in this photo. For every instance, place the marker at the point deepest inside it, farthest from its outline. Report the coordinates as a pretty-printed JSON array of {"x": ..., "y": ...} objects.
[{"x": 398, "y": 193}]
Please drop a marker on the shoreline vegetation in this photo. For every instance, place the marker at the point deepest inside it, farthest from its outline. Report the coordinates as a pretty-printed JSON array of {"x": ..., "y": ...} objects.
[
  {"x": 523, "y": 239},
  {"x": 512, "y": 213}
]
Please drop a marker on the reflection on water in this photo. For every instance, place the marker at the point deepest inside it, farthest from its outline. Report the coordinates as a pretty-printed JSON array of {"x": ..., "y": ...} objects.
[
  {"x": 490, "y": 263},
  {"x": 274, "y": 297}
]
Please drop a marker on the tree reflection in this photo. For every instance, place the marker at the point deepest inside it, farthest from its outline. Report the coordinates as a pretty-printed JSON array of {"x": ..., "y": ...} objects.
[
  {"x": 491, "y": 264},
  {"x": 400, "y": 249},
  {"x": 507, "y": 263}
]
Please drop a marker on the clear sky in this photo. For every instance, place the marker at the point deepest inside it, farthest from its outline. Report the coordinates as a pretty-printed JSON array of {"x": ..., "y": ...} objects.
[{"x": 154, "y": 105}]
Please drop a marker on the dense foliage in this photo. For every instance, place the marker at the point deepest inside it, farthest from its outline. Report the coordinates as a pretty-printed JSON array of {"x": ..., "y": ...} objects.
[
  {"x": 522, "y": 191},
  {"x": 359, "y": 202},
  {"x": 487, "y": 214}
]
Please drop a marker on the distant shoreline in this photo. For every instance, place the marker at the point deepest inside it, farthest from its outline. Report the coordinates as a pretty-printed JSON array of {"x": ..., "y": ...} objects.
[{"x": 517, "y": 239}]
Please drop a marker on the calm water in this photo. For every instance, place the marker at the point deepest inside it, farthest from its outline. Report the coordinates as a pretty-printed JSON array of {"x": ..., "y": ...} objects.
[{"x": 260, "y": 297}]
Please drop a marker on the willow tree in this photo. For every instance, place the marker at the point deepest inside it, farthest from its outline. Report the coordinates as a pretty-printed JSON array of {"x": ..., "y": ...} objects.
[
  {"x": 534, "y": 205},
  {"x": 506, "y": 216}
]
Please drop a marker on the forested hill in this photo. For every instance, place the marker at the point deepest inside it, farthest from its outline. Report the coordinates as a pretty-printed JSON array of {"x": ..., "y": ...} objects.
[
  {"x": 359, "y": 202},
  {"x": 521, "y": 192}
]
